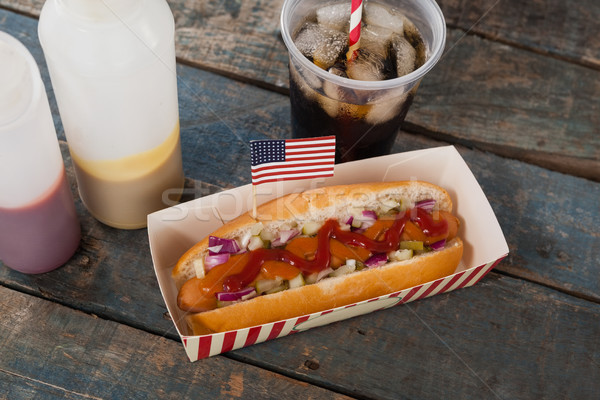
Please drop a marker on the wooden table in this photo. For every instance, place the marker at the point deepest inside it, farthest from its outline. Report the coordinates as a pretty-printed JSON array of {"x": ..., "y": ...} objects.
[{"x": 517, "y": 92}]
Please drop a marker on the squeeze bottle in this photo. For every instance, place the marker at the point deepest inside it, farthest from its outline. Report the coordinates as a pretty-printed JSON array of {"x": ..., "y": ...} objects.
[
  {"x": 112, "y": 68},
  {"x": 39, "y": 228}
]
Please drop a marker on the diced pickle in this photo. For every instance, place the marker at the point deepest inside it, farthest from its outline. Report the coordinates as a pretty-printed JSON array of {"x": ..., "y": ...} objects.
[
  {"x": 411, "y": 245},
  {"x": 264, "y": 285},
  {"x": 311, "y": 228},
  {"x": 256, "y": 229},
  {"x": 279, "y": 288}
]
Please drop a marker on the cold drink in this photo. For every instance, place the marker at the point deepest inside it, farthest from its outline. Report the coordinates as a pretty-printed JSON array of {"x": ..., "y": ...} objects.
[{"x": 362, "y": 101}]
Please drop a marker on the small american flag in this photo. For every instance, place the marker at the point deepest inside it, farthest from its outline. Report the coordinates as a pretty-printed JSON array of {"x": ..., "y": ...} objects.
[{"x": 287, "y": 159}]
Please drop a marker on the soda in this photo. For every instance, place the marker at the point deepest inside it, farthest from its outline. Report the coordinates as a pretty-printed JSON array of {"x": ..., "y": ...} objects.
[{"x": 358, "y": 100}]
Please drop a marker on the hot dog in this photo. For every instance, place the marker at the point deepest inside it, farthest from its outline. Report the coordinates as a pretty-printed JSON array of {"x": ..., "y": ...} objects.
[{"x": 317, "y": 250}]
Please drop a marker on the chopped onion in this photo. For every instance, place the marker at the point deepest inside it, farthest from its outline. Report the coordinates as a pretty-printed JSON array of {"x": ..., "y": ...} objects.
[
  {"x": 426, "y": 205},
  {"x": 401, "y": 255},
  {"x": 256, "y": 229},
  {"x": 199, "y": 268},
  {"x": 437, "y": 246},
  {"x": 284, "y": 237},
  {"x": 228, "y": 245},
  {"x": 356, "y": 223},
  {"x": 369, "y": 215},
  {"x": 367, "y": 224},
  {"x": 349, "y": 220},
  {"x": 296, "y": 282},
  {"x": 317, "y": 276},
  {"x": 211, "y": 261},
  {"x": 255, "y": 242},
  {"x": 244, "y": 240},
  {"x": 322, "y": 274},
  {"x": 376, "y": 260},
  {"x": 266, "y": 236},
  {"x": 243, "y": 294},
  {"x": 345, "y": 269},
  {"x": 215, "y": 249}
]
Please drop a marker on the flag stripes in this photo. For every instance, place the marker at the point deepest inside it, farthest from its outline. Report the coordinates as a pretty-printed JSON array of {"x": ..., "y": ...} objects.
[{"x": 287, "y": 159}]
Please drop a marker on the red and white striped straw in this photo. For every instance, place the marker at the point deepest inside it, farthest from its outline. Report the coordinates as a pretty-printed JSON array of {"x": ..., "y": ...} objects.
[{"x": 354, "y": 36}]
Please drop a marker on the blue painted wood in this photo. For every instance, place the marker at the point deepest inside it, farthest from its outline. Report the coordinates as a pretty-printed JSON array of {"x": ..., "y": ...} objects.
[
  {"x": 53, "y": 352},
  {"x": 500, "y": 339},
  {"x": 506, "y": 336},
  {"x": 551, "y": 221},
  {"x": 495, "y": 88}
]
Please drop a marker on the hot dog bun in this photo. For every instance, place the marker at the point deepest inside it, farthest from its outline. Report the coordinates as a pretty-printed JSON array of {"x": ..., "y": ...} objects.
[{"x": 319, "y": 205}]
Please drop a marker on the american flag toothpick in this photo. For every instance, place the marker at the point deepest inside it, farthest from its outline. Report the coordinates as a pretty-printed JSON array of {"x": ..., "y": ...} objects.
[{"x": 286, "y": 159}]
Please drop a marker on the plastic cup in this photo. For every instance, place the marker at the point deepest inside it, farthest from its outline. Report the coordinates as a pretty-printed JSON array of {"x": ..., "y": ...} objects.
[
  {"x": 365, "y": 116},
  {"x": 39, "y": 228}
]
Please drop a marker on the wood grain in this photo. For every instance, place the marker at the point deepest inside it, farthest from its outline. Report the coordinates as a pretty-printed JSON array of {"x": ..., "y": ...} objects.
[
  {"x": 51, "y": 351},
  {"x": 484, "y": 93},
  {"x": 500, "y": 339},
  {"x": 517, "y": 104},
  {"x": 550, "y": 220},
  {"x": 525, "y": 331},
  {"x": 553, "y": 27},
  {"x": 550, "y": 243},
  {"x": 562, "y": 29}
]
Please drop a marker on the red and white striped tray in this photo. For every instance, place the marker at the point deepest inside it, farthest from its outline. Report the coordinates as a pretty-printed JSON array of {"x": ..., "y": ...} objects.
[
  {"x": 198, "y": 347},
  {"x": 174, "y": 230}
]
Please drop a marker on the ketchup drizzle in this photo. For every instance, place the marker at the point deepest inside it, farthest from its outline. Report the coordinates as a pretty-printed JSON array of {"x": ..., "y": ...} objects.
[{"x": 331, "y": 229}]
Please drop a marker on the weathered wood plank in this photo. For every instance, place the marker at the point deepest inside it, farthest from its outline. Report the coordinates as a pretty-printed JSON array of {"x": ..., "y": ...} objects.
[
  {"x": 51, "y": 351},
  {"x": 501, "y": 339},
  {"x": 218, "y": 117},
  {"x": 549, "y": 334},
  {"x": 550, "y": 220},
  {"x": 561, "y": 28},
  {"x": 517, "y": 104},
  {"x": 483, "y": 94}
]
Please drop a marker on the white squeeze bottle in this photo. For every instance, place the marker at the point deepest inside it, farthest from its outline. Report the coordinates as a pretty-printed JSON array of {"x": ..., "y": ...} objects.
[
  {"x": 112, "y": 68},
  {"x": 39, "y": 227}
]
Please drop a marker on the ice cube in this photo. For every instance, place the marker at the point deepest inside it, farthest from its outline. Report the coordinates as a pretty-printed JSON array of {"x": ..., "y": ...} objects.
[
  {"x": 367, "y": 66},
  {"x": 376, "y": 39},
  {"x": 404, "y": 54},
  {"x": 378, "y": 15},
  {"x": 321, "y": 44},
  {"x": 340, "y": 102},
  {"x": 307, "y": 82},
  {"x": 337, "y": 70},
  {"x": 333, "y": 99},
  {"x": 385, "y": 109},
  {"x": 335, "y": 16},
  {"x": 412, "y": 34}
]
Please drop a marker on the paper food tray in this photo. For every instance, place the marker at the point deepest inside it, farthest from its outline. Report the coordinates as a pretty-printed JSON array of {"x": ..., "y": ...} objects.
[{"x": 174, "y": 230}]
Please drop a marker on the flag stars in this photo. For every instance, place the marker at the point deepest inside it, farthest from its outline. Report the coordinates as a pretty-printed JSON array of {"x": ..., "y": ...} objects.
[{"x": 266, "y": 151}]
